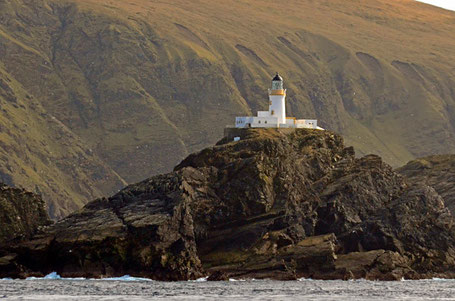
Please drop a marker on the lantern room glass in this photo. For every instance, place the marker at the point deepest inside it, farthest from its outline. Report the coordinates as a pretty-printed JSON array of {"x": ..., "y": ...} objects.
[{"x": 277, "y": 85}]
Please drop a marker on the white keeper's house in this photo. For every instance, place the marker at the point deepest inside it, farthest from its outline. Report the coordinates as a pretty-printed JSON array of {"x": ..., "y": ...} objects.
[{"x": 275, "y": 117}]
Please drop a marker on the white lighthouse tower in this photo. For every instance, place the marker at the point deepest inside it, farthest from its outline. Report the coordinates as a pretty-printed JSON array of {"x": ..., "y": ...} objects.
[
  {"x": 275, "y": 117},
  {"x": 277, "y": 96}
]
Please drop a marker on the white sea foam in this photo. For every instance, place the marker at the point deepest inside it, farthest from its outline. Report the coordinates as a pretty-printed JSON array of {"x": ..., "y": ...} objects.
[
  {"x": 126, "y": 278},
  {"x": 304, "y": 279},
  {"x": 55, "y": 276},
  {"x": 52, "y": 276}
]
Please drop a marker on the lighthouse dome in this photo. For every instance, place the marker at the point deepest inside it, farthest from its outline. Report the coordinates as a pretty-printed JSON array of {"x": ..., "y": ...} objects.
[{"x": 277, "y": 78}]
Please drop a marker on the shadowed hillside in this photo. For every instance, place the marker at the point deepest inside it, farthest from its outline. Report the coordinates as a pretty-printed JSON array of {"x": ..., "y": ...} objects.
[{"x": 143, "y": 83}]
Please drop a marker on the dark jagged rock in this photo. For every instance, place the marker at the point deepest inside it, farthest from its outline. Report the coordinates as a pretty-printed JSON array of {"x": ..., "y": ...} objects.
[
  {"x": 22, "y": 213},
  {"x": 278, "y": 204},
  {"x": 218, "y": 276},
  {"x": 436, "y": 171},
  {"x": 146, "y": 229}
]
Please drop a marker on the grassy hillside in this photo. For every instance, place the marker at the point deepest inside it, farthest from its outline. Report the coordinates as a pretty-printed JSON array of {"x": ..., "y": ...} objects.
[
  {"x": 144, "y": 83},
  {"x": 39, "y": 152}
]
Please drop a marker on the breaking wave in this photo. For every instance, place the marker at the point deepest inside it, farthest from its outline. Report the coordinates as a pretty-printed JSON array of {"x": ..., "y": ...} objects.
[{"x": 55, "y": 276}]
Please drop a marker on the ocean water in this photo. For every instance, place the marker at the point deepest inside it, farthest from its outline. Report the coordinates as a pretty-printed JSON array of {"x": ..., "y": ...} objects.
[{"x": 52, "y": 287}]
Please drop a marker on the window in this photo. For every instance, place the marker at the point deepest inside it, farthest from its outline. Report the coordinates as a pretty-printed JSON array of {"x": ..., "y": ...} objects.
[
  {"x": 259, "y": 121},
  {"x": 277, "y": 85},
  {"x": 265, "y": 121},
  {"x": 273, "y": 112}
]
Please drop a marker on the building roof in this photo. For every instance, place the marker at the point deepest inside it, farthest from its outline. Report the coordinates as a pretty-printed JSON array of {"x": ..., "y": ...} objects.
[{"x": 277, "y": 78}]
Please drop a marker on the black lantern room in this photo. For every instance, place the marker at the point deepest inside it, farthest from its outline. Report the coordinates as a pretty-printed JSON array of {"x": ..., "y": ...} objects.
[{"x": 277, "y": 82}]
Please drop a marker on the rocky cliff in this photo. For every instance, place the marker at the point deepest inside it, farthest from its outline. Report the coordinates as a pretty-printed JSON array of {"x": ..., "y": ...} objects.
[
  {"x": 119, "y": 90},
  {"x": 21, "y": 214},
  {"x": 436, "y": 171},
  {"x": 277, "y": 204}
]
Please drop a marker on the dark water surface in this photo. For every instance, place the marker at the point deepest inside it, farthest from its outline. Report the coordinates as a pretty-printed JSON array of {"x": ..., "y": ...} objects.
[{"x": 100, "y": 290}]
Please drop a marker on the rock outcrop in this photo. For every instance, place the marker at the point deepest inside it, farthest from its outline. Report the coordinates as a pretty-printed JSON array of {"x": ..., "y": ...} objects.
[
  {"x": 279, "y": 204},
  {"x": 436, "y": 171},
  {"x": 22, "y": 213}
]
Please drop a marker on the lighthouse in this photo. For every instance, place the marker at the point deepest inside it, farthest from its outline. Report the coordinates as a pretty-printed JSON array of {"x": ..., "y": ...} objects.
[
  {"x": 275, "y": 117},
  {"x": 277, "y": 96}
]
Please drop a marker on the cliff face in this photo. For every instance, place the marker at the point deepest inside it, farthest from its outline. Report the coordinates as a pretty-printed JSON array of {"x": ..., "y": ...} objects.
[
  {"x": 436, "y": 171},
  {"x": 119, "y": 91},
  {"x": 21, "y": 214},
  {"x": 277, "y": 204}
]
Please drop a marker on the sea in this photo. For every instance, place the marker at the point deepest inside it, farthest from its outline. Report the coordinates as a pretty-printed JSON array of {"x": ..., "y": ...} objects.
[{"x": 53, "y": 287}]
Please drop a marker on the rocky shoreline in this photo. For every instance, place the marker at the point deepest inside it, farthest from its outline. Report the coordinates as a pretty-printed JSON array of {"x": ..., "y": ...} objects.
[{"x": 277, "y": 204}]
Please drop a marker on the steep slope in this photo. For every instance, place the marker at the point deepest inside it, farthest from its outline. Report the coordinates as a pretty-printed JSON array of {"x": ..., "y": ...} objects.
[
  {"x": 39, "y": 152},
  {"x": 144, "y": 83},
  {"x": 435, "y": 171},
  {"x": 21, "y": 214},
  {"x": 278, "y": 204}
]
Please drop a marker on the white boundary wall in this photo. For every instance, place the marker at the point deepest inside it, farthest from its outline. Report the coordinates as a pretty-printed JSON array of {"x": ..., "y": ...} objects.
[
  {"x": 272, "y": 122},
  {"x": 256, "y": 122}
]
